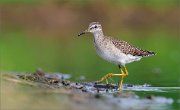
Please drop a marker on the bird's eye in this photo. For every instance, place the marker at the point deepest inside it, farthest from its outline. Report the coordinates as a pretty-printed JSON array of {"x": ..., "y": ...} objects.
[{"x": 95, "y": 26}]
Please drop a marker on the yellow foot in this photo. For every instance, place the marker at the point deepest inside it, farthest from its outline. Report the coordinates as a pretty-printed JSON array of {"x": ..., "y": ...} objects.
[
  {"x": 109, "y": 75},
  {"x": 106, "y": 77}
]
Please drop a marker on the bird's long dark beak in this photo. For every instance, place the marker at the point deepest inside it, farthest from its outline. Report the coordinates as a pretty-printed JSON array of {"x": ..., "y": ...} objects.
[
  {"x": 84, "y": 32},
  {"x": 81, "y": 33}
]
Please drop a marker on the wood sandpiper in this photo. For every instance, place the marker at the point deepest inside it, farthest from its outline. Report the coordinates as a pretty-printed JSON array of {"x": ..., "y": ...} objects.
[{"x": 115, "y": 51}]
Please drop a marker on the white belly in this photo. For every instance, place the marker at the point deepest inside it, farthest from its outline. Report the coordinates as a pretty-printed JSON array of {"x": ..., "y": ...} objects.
[{"x": 114, "y": 55}]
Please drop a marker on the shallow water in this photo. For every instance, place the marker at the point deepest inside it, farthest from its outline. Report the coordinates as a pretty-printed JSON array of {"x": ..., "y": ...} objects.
[{"x": 168, "y": 96}]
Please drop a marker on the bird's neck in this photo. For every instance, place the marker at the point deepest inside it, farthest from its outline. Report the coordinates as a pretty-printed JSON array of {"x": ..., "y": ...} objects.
[{"x": 98, "y": 35}]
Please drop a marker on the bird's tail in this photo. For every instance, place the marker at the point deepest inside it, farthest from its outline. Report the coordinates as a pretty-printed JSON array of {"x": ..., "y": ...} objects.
[{"x": 148, "y": 53}]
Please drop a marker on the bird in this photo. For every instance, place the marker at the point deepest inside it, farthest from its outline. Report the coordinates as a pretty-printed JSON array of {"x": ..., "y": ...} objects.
[{"x": 116, "y": 51}]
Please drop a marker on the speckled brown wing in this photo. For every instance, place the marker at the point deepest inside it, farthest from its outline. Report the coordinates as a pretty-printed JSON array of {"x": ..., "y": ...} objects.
[{"x": 129, "y": 49}]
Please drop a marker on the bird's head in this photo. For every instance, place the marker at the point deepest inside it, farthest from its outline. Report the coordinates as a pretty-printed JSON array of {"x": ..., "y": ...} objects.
[{"x": 93, "y": 27}]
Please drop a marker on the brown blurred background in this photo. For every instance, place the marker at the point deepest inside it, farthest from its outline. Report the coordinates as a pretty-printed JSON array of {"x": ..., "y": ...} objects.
[{"x": 43, "y": 34}]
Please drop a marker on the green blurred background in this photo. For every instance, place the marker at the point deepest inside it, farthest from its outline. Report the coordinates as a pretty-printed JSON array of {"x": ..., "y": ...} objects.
[{"x": 43, "y": 34}]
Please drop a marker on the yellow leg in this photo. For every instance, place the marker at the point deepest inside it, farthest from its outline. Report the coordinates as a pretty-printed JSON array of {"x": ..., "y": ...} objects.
[
  {"x": 125, "y": 69},
  {"x": 109, "y": 75},
  {"x": 121, "y": 81},
  {"x": 122, "y": 77},
  {"x": 106, "y": 77}
]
